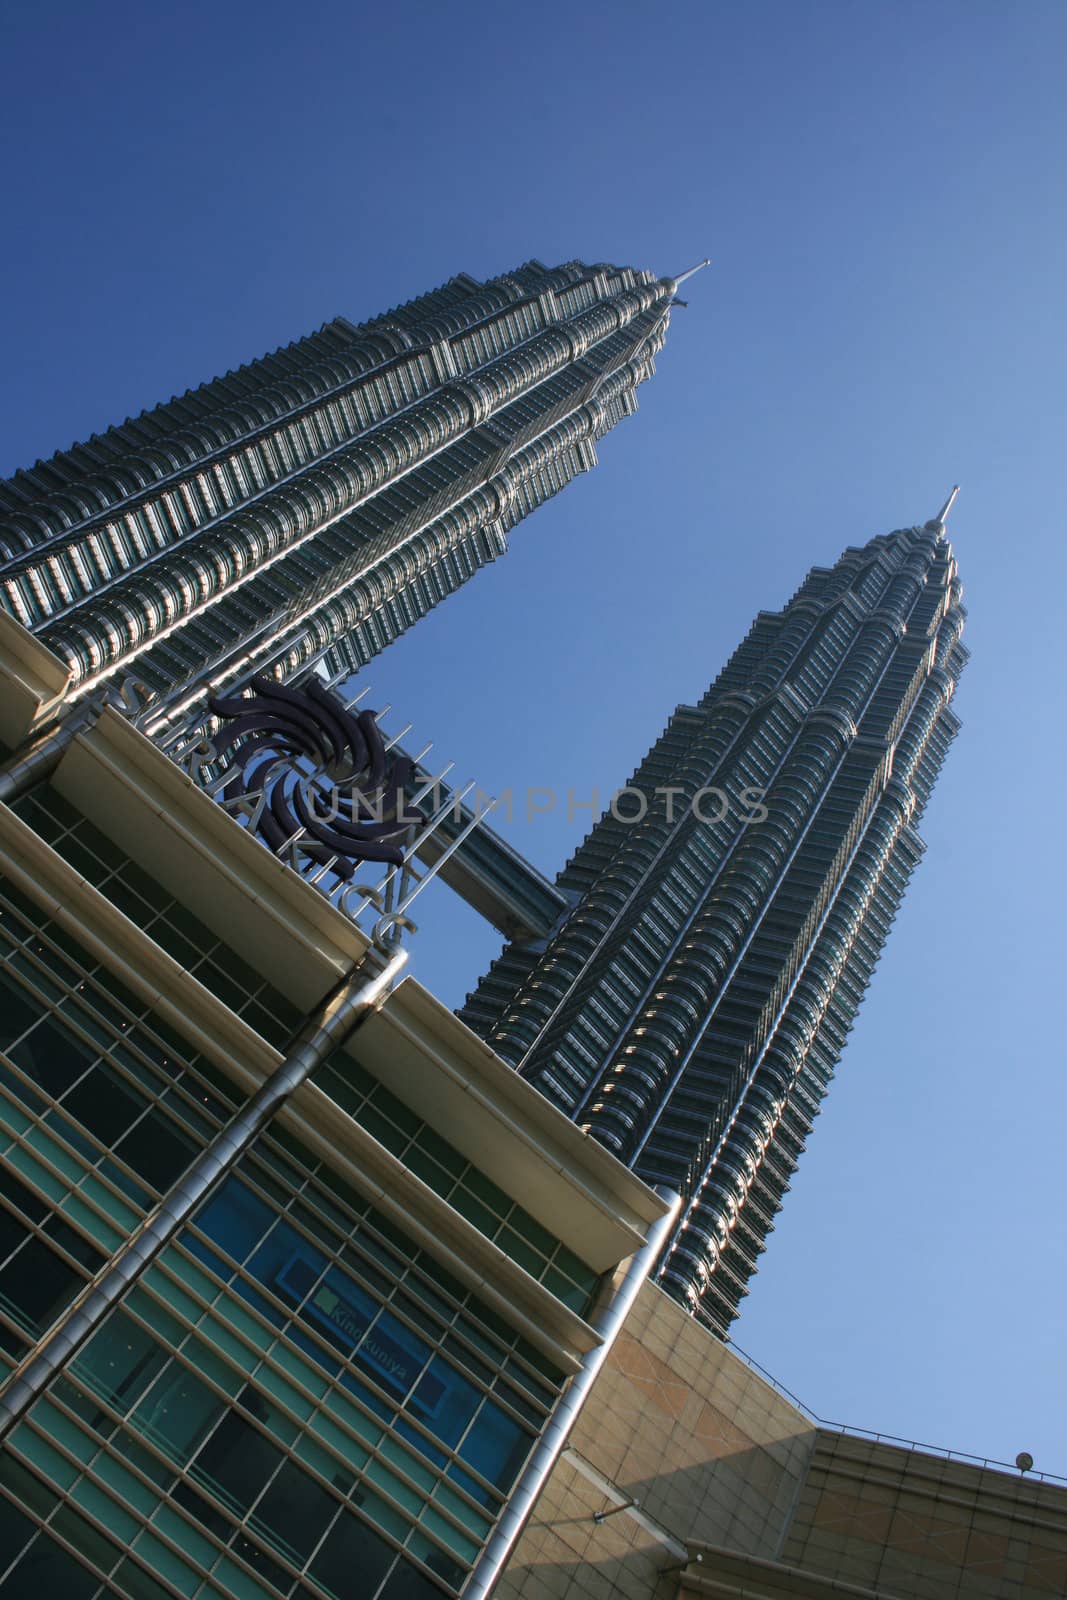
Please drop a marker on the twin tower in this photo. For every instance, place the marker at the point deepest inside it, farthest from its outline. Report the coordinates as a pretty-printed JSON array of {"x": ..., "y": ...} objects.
[{"x": 690, "y": 1003}]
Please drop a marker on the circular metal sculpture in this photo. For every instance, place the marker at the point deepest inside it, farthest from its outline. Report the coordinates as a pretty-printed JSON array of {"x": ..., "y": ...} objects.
[{"x": 314, "y": 773}]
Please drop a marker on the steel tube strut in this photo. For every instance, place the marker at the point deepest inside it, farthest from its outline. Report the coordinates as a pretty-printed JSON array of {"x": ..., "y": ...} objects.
[
  {"x": 615, "y": 1303},
  {"x": 354, "y": 998}
]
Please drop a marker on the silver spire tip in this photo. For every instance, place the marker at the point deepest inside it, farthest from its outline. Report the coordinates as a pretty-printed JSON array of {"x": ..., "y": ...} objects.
[
  {"x": 942, "y": 515},
  {"x": 682, "y": 276}
]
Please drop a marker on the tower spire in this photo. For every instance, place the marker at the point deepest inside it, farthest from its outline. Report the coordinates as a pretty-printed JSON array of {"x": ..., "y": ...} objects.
[
  {"x": 689, "y": 273},
  {"x": 942, "y": 515}
]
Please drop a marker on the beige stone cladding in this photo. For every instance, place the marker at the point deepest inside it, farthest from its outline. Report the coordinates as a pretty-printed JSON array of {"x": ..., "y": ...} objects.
[
  {"x": 903, "y": 1521},
  {"x": 677, "y": 1422},
  {"x": 708, "y": 1482}
]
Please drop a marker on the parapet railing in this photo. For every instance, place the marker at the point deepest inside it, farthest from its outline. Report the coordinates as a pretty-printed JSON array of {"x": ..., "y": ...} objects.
[{"x": 987, "y": 1462}]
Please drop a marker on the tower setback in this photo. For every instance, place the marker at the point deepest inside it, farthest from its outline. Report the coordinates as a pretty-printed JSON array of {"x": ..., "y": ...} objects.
[{"x": 315, "y": 503}]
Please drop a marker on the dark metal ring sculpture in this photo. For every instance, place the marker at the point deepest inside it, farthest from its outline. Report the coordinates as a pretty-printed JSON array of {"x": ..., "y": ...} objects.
[{"x": 315, "y": 766}]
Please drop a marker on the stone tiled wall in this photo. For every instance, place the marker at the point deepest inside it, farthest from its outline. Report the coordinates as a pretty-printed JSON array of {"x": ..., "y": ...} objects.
[
  {"x": 679, "y": 1423},
  {"x": 727, "y": 1469},
  {"x": 912, "y": 1524}
]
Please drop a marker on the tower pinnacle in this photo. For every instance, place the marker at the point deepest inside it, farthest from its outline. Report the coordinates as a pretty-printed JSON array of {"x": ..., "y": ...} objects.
[
  {"x": 691, "y": 271},
  {"x": 942, "y": 515}
]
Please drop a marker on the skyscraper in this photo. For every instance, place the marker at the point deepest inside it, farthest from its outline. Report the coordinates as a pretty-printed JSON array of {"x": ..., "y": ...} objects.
[
  {"x": 277, "y": 1321},
  {"x": 727, "y": 912},
  {"x": 318, "y": 501}
]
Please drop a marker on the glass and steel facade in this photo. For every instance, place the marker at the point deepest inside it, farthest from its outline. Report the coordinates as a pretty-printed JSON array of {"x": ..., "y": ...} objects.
[
  {"x": 318, "y": 501},
  {"x": 727, "y": 914},
  {"x": 330, "y": 1377}
]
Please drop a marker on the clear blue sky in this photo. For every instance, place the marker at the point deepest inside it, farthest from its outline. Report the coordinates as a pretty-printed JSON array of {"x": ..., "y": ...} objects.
[{"x": 881, "y": 188}]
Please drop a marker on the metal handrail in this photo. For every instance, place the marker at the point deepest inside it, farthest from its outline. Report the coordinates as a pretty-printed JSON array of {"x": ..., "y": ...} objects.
[{"x": 853, "y": 1431}]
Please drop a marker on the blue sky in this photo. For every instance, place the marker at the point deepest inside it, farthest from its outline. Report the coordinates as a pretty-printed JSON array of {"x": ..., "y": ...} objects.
[{"x": 881, "y": 190}]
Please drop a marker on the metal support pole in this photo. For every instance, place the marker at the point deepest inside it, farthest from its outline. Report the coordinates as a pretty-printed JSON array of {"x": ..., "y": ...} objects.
[
  {"x": 615, "y": 1303},
  {"x": 624, "y": 1505},
  {"x": 359, "y": 994},
  {"x": 37, "y": 760}
]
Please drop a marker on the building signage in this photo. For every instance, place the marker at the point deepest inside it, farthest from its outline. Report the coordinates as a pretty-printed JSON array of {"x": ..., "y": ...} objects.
[{"x": 309, "y": 774}]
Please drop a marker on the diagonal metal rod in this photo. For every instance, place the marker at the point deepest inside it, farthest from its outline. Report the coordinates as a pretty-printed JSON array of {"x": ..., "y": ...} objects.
[
  {"x": 617, "y": 1297},
  {"x": 355, "y": 998}
]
